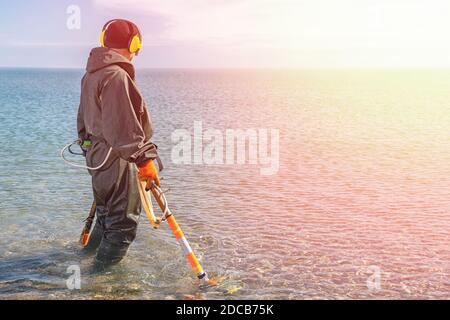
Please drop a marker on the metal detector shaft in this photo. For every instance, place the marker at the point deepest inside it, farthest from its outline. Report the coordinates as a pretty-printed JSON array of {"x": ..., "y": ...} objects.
[
  {"x": 85, "y": 234},
  {"x": 174, "y": 226}
]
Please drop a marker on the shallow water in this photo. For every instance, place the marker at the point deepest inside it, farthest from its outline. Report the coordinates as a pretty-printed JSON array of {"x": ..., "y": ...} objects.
[{"x": 363, "y": 185}]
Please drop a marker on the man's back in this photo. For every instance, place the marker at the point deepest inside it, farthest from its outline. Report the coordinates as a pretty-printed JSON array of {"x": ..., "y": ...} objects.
[{"x": 112, "y": 111}]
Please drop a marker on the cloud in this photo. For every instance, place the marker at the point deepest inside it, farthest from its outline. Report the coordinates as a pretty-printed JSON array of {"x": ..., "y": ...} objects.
[
  {"x": 214, "y": 21},
  {"x": 293, "y": 23},
  {"x": 359, "y": 30},
  {"x": 46, "y": 44}
]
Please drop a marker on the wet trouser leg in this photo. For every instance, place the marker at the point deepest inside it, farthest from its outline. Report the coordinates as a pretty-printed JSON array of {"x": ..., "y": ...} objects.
[{"x": 117, "y": 196}]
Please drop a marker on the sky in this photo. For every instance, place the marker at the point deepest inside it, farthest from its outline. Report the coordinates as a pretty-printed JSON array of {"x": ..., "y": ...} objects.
[{"x": 234, "y": 33}]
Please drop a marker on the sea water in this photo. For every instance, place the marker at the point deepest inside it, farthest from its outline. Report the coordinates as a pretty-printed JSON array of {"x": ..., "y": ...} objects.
[{"x": 358, "y": 208}]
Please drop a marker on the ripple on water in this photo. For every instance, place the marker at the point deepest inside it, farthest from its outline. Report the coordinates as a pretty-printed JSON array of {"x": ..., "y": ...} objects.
[{"x": 363, "y": 183}]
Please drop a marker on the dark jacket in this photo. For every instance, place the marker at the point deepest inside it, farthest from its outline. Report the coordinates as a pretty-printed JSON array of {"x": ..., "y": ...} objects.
[{"x": 112, "y": 112}]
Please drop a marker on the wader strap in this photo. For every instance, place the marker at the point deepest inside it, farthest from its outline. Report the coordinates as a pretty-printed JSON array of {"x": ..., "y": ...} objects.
[{"x": 160, "y": 163}]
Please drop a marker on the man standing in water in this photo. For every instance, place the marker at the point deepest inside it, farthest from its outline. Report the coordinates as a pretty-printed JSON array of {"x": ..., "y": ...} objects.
[{"x": 113, "y": 116}]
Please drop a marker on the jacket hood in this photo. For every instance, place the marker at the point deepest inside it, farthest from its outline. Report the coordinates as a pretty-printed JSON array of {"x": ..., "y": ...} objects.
[{"x": 103, "y": 57}]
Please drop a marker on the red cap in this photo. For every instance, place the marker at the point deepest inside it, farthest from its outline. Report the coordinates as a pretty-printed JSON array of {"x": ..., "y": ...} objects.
[{"x": 119, "y": 33}]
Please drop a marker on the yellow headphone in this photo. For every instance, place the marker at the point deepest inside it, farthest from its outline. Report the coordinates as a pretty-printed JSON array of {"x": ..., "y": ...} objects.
[{"x": 135, "y": 43}]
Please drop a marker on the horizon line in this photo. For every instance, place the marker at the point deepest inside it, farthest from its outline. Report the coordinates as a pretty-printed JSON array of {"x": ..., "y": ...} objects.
[{"x": 443, "y": 68}]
